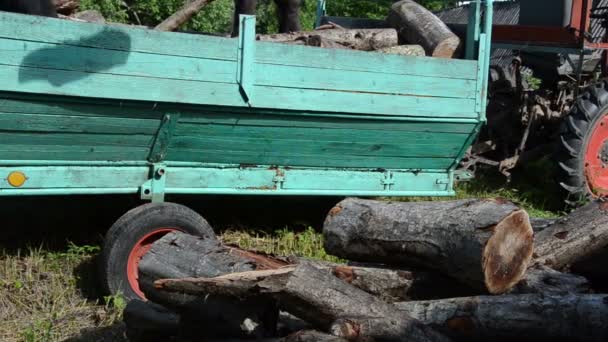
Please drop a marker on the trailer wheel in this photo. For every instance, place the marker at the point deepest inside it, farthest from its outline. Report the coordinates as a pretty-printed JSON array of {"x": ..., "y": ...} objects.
[
  {"x": 132, "y": 236},
  {"x": 583, "y": 149}
]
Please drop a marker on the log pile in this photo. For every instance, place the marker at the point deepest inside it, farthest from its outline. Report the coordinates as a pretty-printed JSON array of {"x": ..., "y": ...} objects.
[
  {"x": 408, "y": 30},
  {"x": 475, "y": 269}
]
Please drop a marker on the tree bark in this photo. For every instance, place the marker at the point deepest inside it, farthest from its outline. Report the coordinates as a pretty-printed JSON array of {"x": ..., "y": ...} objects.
[
  {"x": 313, "y": 295},
  {"x": 545, "y": 280},
  {"x": 484, "y": 243},
  {"x": 67, "y": 7},
  {"x": 147, "y": 321},
  {"x": 181, "y": 255},
  {"x": 417, "y": 25},
  {"x": 581, "y": 233},
  {"x": 90, "y": 16},
  {"x": 404, "y": 50},
  {"x": 177, "y": 19},
  {"x": 532, "y": 317},
  {"x": 358, "y": 39}
]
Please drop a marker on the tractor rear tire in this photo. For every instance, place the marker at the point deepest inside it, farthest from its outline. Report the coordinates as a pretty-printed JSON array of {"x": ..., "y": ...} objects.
[
  {"x": 133, "y": 235},
  {"x": 582, "y": 152}
]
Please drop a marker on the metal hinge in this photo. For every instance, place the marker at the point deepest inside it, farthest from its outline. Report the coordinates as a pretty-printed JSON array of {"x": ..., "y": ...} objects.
[{"x": 154, "y": 188}]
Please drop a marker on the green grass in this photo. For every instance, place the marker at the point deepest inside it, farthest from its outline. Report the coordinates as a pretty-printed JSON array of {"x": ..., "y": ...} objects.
[
  {"x": 285, "y": 242},
  {"x": 44, "y": 296}
]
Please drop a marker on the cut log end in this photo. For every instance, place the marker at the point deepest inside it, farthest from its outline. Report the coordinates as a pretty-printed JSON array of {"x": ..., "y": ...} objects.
[
  {"x": 508, "y": 252},
  {"x": 449, "y": 48}
]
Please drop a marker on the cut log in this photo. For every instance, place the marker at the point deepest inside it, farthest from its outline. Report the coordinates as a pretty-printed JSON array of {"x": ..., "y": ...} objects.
[
  {"x": 542, "y": 279},
  {"x": 581, "y": 233},
  {"x": 404, "y": 50},
  {"x": 393, "y": 284},
  {"x": 358, "y": 39},
  {"x": 484, "y": 243},
  {"x": 67, "y": 7},
  {"x": 177, "y": 19},
  {"x": 90, "y": 16},
  {"x": 533, "y": 317},
  {"x": 182, "y": 255},
  {"x": 417, "y": 25},
  {"x": 314, "y": 295},
  {"x": 593, "y": 267}
]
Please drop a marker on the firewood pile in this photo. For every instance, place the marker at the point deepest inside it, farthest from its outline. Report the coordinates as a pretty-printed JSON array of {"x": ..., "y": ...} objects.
[
  {"x": 409, "y": 29},
  {"x": 475, "y": 269}
]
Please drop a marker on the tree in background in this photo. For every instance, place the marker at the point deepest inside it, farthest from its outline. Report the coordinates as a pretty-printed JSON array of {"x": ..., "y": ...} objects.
[{"x": 217, "y": 16}]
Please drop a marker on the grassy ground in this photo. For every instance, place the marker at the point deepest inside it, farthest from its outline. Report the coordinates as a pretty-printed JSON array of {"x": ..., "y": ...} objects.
[{"x": 50, "y": 294}]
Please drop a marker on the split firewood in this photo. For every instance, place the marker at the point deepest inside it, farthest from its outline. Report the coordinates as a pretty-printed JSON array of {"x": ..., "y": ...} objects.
[
  {"x": 314, "y": 295},
  {"x": 358, "y": 39},
  {"x": 484, "y": 243},
  {"x": 404, "y": 50},
  {"x": 533, "y": 317},
  {"x": 181, "y": 255},
  {"x": 67, "y": 7},
  {"x": 417, "y": 25},
  {"x": 581, "y": 233},
  {"x": 177, "y": 19}
]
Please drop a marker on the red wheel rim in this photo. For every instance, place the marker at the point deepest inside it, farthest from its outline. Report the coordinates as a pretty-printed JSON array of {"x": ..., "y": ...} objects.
[
  {"x": 137, "y": 252},
  {"x": 596, "y": 158}
]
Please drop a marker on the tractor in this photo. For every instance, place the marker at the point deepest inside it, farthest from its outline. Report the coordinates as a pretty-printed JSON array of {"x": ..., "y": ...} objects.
[{"x": 548, "y": 92}]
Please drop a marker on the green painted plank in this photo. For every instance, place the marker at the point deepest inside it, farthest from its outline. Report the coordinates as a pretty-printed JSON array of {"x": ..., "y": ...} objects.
[
  {"x": 272, "y": 158},
  {"x": 78, "y": 152},
  {"x": 73, "y": 83},
  {"x": 58, "y": 31},
  {"x": 190, "y": 121},
  {"x": 75, "y": 139},
  {"x": 353, "y": 134},
  {"x": 321, "y": 148},
  {"x": 362, "y": 81},
  {"x": 92, "y": 60},
  {"x": 340, "y": 59},
  {"x": 76, "y": 124}
]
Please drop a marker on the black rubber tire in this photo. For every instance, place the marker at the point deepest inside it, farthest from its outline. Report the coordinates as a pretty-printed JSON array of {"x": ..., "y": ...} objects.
[
  {"x": 575, "y": 133},
  {"x": 133, "y": 226}
]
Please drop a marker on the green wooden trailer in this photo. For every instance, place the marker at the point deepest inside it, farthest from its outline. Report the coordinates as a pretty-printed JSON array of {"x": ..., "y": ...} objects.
[{"x": 100, "y": 109}]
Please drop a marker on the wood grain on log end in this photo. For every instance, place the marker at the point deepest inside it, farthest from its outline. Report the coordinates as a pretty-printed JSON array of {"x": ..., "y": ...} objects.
[
  {"x": 508, "y": 252},
  {"x": 449, "y": 48}
]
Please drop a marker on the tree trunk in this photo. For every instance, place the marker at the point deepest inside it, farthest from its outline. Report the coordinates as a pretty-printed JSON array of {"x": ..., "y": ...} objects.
[
  {"x": 147, "y": 321},
  {"x": 177, "y": 19},
  {"x": 484, "y": 243},
  {"x": 417, "y": 25},
  {"x": 509, "y": 317},
  {"x": 358, "y": 39},
  {"x": 313, "y": 295},
  {"x": 581, "y": 233},
  {"x": 181, "y": 255}
]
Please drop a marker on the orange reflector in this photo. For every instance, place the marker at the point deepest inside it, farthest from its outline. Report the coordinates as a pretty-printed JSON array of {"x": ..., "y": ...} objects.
[{"x": 16, "y": 178}]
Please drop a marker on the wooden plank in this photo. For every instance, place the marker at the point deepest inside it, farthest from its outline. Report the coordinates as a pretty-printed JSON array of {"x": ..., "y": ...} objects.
[
  {"x": 273, "y": 158},
  {"x": 339, "y": 59},
  {"x": 363, "y": 81},
  {"x": 31, "y": 104},
  {"x": 58, "y": 31},
  {"x": 350, "y": 134},
  {"x": 76, "y": 124},
  {"x": 76, "y": 139},
  {"x": 80, "y": 152},
  {"x": 93, "y": 60},
  {"x": 60, "y": 82},
  {"x": 321, "y": 148}
]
